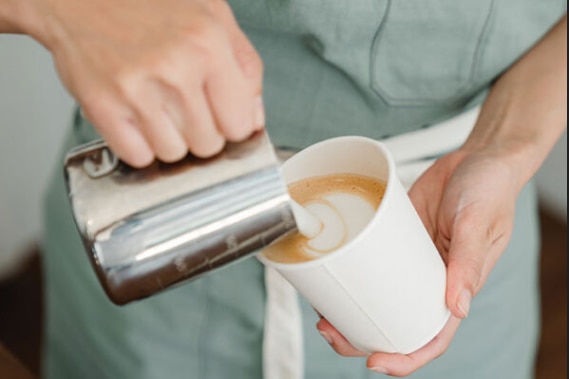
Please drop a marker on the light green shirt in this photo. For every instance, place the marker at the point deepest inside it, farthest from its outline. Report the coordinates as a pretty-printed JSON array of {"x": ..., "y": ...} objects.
[{"x": 380, "y": 67}]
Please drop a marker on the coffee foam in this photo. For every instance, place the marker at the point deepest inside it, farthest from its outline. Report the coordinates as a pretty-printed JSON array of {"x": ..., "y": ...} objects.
[{"x": 345, "y": 203}]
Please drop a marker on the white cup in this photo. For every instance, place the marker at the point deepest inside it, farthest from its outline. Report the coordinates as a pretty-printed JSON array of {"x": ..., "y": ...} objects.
[{"x": 385, "y": 289}]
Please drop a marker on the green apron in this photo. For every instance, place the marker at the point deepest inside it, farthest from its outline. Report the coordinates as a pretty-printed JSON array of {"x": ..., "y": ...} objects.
[{"x": 374, "y": 68}]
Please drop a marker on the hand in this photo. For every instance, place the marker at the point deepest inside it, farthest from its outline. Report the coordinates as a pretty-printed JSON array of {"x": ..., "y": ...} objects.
[
  {"x": 157, "y": 78},
  {"x": 466, "y": 201},
  {"x": 467, "y": 198}
]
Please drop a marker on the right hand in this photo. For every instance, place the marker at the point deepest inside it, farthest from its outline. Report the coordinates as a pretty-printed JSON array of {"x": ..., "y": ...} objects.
[{"x": 156, "y": 78}]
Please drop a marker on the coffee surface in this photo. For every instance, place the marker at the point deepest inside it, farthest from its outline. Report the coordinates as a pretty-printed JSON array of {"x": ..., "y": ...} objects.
[{"x": 345, "y": 203}]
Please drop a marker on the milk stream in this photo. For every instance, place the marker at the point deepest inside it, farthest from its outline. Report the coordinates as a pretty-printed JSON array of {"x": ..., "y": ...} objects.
[
  {"x": 332, "y": 221},
  {"x": 308, "y": 224},
  {"x": 330, "y": 211}
]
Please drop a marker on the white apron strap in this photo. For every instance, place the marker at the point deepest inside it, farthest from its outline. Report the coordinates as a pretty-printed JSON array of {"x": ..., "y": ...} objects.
[{"x": 283, "y": 352}]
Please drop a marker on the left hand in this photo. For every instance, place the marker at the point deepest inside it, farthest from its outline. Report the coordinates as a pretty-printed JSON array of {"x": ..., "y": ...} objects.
[
  {"x": 467, "y": 198},
  {"x": 466, "y": 201}
]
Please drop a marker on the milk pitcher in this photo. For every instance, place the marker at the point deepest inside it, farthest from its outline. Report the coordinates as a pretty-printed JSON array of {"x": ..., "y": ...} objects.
[{"x": 149, "y": 229}]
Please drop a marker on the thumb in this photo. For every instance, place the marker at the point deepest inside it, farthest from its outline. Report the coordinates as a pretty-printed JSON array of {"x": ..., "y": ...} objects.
[{"x": 465, "y": 270}]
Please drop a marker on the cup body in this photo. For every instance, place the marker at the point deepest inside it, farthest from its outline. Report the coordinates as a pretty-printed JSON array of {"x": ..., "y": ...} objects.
[{"x": 385, "y": 289}]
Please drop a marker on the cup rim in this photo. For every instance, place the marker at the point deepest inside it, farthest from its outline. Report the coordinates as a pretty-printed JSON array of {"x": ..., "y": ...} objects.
[{"x": 391, "y": 176}]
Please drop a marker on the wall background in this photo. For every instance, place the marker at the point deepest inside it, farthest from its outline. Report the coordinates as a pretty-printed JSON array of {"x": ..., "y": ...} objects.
[{"x": 35, "y": 111}]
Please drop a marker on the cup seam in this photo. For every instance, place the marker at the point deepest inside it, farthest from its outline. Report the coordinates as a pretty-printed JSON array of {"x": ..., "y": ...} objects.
[
  {"x": 428, "y": 337},
  {"x": 351, "y": 297}
]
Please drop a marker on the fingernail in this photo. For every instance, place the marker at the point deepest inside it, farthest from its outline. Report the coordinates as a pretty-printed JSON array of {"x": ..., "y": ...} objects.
[
  {"x": 326, "y": 336},
  {"x": 260, "y": 113},
  {"x": 379, "y": 369},
  {"x": 464, "y": 302}
]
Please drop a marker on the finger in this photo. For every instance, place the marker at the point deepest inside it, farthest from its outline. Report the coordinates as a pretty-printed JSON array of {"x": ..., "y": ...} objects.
[
  {"x": 200, "y": 132},
  {"x": 244, "y": 52},
  {"x": 158, "y": 117},
  {"x": 230, "y": 100},
  {"x": 118, "y": 127},
  {"x": 251, "y": 66},
  {"x": 337, "y": 341},
  {"x": 471, "y": 252},
  {"x": 403, "y": 365}
]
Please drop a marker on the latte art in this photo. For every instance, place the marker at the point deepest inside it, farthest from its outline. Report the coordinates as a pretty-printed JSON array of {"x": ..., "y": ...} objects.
[{"x": 344, "y": 203}]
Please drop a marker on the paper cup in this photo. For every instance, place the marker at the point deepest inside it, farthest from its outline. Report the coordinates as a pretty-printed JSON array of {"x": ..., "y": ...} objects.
[{"x": 385, "y": 289}]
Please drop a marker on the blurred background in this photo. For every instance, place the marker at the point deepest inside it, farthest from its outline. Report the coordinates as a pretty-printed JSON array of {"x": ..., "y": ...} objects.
[{"x": 35, "y": 111}]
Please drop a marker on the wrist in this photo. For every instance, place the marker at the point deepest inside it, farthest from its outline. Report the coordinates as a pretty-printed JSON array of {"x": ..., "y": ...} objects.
[
  {"x": 24, "y": 17},
  {"x": 518, "y": 139},
  {"x": 15, "y": 16}
]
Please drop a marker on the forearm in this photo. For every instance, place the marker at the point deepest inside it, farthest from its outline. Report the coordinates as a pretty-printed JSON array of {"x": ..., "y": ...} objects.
[
  {"x": 526, "y": 110},
  {"x": 12, "y": 16}
]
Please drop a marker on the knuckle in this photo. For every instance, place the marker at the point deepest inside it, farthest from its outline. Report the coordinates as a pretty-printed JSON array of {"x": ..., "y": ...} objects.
[
  {"x": 205, "y": 38},
  {"x": 473, "y": 269},
  {"x": 127, "y": 83},
  {"x": 95, "y": 110},
  {"x": 470, "y": 269},
  {"x": 249, "y": 60}
]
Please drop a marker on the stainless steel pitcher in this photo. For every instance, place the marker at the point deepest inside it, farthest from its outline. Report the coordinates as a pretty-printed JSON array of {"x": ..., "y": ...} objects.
[{"x": 148, "y": 229}]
